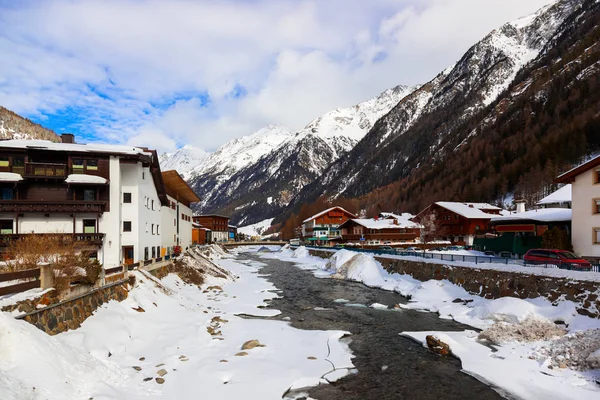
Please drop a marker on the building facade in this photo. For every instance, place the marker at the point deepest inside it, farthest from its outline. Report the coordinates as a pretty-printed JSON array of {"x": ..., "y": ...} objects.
[
  {"x": 217, "y": 224},
  {"x": 325, "y": 225},
  {"x": 457, "y": 222},
  {"x": 384, "y": 229},
  {"x": 585, "y": 186},
  {"x": 177, "y": 215},
  {"x": 108, "y": 198}
]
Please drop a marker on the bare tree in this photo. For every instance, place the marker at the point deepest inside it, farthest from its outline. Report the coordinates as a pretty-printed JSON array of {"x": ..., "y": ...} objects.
[{"x": 430, "y": 229}]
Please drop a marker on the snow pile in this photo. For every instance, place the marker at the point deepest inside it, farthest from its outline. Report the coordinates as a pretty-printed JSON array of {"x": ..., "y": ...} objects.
[
  {"x": 35, "y": 365},
  {"x": 579, "y": 351},
  {"x": 300, "y": 252},
  {"x": 360, "y": 268},
  {"x": 213, "y": 252},
  {"x": 529, "y": 330}
]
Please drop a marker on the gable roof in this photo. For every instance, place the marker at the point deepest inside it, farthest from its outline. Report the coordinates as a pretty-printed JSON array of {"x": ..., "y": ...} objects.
[
  {"x": 326, "y": 211},
  {"x": 541, "y": 215},
  {"x": 562, "y": 195},
  {"x": 469, "y": 210},
  {"x": 569, "y": 176},
  {"x": 372, "y": 223},
  {"x": 178, "y": 188}
]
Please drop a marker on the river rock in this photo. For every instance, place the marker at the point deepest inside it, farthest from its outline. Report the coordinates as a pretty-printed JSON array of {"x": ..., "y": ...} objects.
[
  {"x": 250, "y": 344},
  {"x": 160, "y": 381},
  {"x": 241, "y": 354},
  {"x": 162, "y": 372},
  {"x": 437, "y": 346}
]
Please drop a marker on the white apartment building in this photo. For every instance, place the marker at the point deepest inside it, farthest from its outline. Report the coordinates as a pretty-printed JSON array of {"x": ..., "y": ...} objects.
[
  {"x": 177, "y": 215},
  {"x": 110, "y": 198},
  {"x": 585, "y": 202}
]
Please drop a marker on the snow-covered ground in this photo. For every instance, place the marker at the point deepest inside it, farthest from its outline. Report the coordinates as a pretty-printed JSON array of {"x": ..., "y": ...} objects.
[
  {"x": 256, "y": 229},
  {"x": 170, "y": 340},
  {"x": 521, "y": 362}
]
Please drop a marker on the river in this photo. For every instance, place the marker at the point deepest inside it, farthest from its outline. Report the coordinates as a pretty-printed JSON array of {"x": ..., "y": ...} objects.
[{"x": 389, "y": 366}]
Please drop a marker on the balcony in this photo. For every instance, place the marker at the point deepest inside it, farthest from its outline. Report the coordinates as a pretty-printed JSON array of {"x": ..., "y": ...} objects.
[
  {"x": 83, "y": 239},
  {"x": 382, "y": 236},
  {"x": 44, "y": 170},
  {"x": 60, "y": 206}
]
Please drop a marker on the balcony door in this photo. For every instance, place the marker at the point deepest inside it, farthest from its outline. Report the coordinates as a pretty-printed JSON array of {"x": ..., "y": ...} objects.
[{"x": 89, "y": 226}]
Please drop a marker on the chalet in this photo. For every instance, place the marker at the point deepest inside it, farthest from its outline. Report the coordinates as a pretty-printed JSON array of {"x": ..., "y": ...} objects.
[
  {"x": 176, "y": 216},
  {"x": 217, "y": 224},
  {"x": 385, "y": 228},
  {"x": 325, "y": 225},
  {"x": 107, "y": 197},
  {"x": 458, "y": 222},
  {"x": 585, "y": 192}
]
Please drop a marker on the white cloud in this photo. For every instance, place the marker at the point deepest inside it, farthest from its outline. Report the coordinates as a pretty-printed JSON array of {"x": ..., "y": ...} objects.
[{"x": 141, "y": 71}]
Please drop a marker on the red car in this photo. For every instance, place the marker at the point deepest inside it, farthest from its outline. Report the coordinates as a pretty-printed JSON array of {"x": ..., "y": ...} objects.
[{"x": 561, "y": 258}]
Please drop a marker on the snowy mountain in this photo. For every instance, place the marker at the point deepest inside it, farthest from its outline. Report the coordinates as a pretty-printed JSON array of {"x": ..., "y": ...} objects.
[
  {"x": 275, "y": 163},
  {"x": 183, "y": 160},
  {"x": 13, "y": 126},
  {"x": 518, "y": 106},
  {"x": 413, "y": 134}
]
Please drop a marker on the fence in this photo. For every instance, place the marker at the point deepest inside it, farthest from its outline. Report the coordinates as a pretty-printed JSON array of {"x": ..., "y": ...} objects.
[
  {"x": 22, "y": 286},
  {"x": 467, "y": 258}
]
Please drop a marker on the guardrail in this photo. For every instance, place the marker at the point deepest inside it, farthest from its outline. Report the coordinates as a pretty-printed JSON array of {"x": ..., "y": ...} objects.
[
  {"x": 23, "y": 286},
  {"x": 561, "y": 265}
]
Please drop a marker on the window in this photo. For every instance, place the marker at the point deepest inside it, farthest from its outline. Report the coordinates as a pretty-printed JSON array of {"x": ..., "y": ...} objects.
[
  {"x": 157, "y": 232},
  {"x": 143, "y": 175},
  {"x": 145, "y": 253},
  {"x": 597, "y": 176},
  {"x": 153, "y": 252},
  {"x": 89, "y": 194},
  {"x": 596, "y": 209},
  {"x": 596, "y": 235},
  {"x": 147, "y": 201},
  {"x": 4, "y": 161},
  {"x": 126, "y": 197},
  {"x": 6, "y": 226},
  {"x": 153, "y": 229},
  {"x": 126, "y": 226},
  {"x": 93, "y": 255},
  {"x": 77, "y": 166},
  {"x": 92, "y": 165},
  {"x": 6, "y": 194},
  {"x": 18, "y": 165},
  {"x": 146, "y": 227},
  {"x": 175, "y": 222},
  {"x": 89, "y": 226},
  {"x": 157, "y": 251},
  {"x": 152, "y": 205}
]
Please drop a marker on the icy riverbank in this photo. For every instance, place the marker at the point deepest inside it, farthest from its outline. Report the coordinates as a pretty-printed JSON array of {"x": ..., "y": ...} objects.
[
  {"x": 172, "y": 340},
  {"x": 520, "y": 363}
]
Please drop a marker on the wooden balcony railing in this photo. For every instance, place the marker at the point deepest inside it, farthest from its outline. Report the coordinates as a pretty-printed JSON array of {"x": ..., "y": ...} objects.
[
  {"x": 68, "y": 206},
  {"x": 45, "y": 170},
  {"x": 91, "y": 239},
  {"x": 381, "y": 236}
]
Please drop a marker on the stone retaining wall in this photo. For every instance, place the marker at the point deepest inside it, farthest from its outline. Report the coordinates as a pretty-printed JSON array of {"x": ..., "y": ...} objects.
[
  {"x": 70, "y": 314},
  {"x": 493, "y": 284}
]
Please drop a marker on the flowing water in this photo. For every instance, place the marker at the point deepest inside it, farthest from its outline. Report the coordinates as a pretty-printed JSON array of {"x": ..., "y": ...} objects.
[{"x": 389, "y": 366}]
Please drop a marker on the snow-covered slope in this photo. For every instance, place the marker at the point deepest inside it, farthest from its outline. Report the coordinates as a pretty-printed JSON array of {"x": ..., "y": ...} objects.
[
  {"x": 276, "y": 162},
  {"x": 414, "y": 131},
  {"x": 13, "y": 126},
  {"x": 182, "y": 160}
]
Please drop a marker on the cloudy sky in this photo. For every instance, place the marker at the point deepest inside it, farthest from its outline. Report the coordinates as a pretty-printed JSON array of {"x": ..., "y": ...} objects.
[{"x": 168, "y": 73}]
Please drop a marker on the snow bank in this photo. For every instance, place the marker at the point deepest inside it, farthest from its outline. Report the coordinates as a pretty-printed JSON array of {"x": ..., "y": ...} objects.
[
  {"x": 35, "y": 365},
  {"x": 360, "y": 268},
  {"x": 300, "y": 252}
]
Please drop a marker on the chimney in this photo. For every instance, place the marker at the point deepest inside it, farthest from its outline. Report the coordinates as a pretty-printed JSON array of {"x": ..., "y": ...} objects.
[
  {"x": 520, "y": 205},
  {"x": 471, "y": 206},
  {"x": 395, "y": 222},
  {"x": 67, "y": 138}
]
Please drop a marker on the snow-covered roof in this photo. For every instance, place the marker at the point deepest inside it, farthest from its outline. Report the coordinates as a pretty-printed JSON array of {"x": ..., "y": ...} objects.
[
  {"x": 562, "y": 195},
  {"x": 469, "y": 210},
  {"x": 541, "y": 214},
  {"x": 372, "y": 223},
  {"x": 10, "y": 177},
  {"x": 73, "y": 147},
  {"x": 325, "y": 212},
  {"x": 396, "y": 216},
  {"x": 81, "y": 178}
]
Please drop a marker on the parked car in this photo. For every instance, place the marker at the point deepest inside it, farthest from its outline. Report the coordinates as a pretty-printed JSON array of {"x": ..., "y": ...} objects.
[
  {"x": 412, "y": 249},
  {"x": 489, "y": 253},
  {"x": 339, "y": 246},
  {"x": 453, "y": 248},
  {"x": 561, "y": 258},
  {"x": 385, "y": 248}
]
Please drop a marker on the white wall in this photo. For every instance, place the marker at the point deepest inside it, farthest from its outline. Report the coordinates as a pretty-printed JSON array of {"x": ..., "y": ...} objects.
[
  {"x": 110, "y": 222},
  {"x": 584, "y": 221}
]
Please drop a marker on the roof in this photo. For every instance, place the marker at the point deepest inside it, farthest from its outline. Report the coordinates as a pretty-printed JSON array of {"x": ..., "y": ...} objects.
[
  {"x": 541, "y": 215},
  {"x": 469, "y": 210},
  {"x": 87, "y": 179},
  {"x": 569, "y": 176},
  {"x": 74, "y": 147},
  {"x": 178, "y": 188},
  {"x": 10, "y": 177},
  {"x": 562, "y": 195},
  {"x": 372, "y": 223},
  {"x": 326, "y": 211}
]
